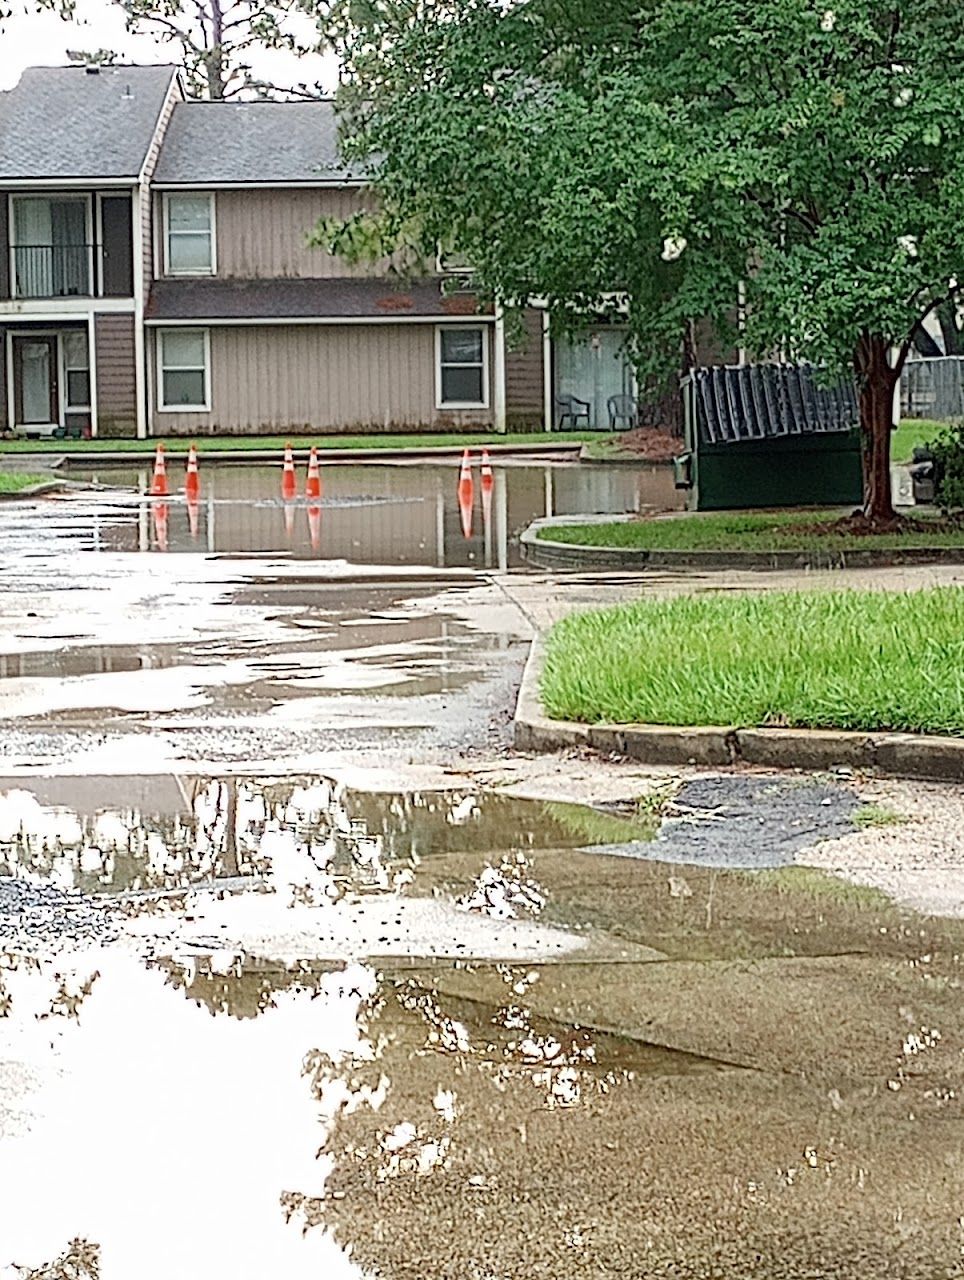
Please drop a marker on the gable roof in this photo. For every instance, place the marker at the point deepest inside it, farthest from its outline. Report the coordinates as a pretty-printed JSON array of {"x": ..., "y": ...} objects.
[
  {"x": 253, "y": 142},
  {"x": 75, "y": 123}
]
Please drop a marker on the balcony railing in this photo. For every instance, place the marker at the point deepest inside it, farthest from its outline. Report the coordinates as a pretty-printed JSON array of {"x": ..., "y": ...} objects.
[{"x": 53, "y": 270}]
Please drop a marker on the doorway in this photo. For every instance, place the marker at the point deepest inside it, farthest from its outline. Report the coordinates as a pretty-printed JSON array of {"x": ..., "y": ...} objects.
[
  {"x": 593, "y": 368},
  {"x": 36, "y": 389}
]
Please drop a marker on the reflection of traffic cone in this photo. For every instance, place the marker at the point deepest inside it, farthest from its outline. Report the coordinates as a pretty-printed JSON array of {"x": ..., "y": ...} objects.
[
  {"x": 313, "y": 483},
  {"x": 192, "y": 479},
  {"x": 159, "y": 482},
  {"x": 488, "y": 480},
  {"x": 314, "y": 527},
  {"x": 466, "y": 494},
  {"x": 160, "y": 511},
  {"x": 289, "y": 520},
  {"x": 289, "y": 481},
  {"x": 193, "y": 515}
]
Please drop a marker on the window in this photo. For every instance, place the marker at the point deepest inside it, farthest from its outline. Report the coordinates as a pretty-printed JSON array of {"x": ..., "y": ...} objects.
[
  {"x": 189, "y": 234},
  {"x": 76, "y": 370},
  {"x": 183, "y": 360},
  {"x": 51, "y": 246},
  {"x": 463, "y": 367}
]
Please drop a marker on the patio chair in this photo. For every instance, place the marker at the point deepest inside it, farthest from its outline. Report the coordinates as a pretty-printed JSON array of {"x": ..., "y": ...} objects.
[
  {"x": 622, "y": 409},
  {"x": 573, "y": 409}
]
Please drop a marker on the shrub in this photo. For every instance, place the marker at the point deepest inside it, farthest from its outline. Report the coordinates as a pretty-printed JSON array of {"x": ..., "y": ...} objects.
[{"x": 948, "y": 451}]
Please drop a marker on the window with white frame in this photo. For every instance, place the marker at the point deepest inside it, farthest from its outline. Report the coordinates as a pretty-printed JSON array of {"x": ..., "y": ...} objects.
[
  {"x": 189, "y": 234},
  {"x": 183, "y": 369},
  {"x": 73, "y": 345},
  {"x": 463, "y": 367}
]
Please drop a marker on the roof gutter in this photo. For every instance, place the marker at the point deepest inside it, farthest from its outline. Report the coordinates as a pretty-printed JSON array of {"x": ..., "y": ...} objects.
[
  {"x": 204, "y": 185},
  {"x": 234, "y": 321}
]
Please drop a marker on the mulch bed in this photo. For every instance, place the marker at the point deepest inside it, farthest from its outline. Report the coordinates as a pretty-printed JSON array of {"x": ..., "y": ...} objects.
[
  {"x": 650, "y": 443},
  {"x": 860, "y": 526}
]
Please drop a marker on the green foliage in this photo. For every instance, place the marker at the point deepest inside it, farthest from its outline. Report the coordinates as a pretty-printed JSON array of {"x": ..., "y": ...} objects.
[
  {"x": 849, "y": 660},
  {"x": 875, "y": 815},
  {"x": 948, "y": 451},
  {"x": 647, "y": 160},
  {"x": 786, "y": 531}
]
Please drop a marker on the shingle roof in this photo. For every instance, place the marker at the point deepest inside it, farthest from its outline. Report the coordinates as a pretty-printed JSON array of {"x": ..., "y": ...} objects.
[
  {"x": 213, "y": 142},
  {"x": 302, "y": 300},
  {"x": 66, "y": 122}
]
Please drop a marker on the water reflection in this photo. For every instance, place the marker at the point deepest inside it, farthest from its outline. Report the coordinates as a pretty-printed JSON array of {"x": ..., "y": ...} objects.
[
  {"x": 309, "y": 839},
  {"x": 373, "y": 514}
]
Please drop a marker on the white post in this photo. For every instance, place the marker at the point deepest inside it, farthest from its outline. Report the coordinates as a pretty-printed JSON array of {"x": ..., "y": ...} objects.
[
  {"x": 498, "y": 390},
  {"x": 140, "y": 211},
  {"x": 547, "y": 394}
]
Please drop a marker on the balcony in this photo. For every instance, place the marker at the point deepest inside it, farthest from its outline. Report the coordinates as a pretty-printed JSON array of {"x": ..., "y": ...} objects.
[{"x": 53, "y": 271}]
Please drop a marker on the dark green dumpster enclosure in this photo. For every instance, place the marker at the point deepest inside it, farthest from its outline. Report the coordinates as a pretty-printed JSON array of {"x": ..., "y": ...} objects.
[{"x": 769, "y": 436}]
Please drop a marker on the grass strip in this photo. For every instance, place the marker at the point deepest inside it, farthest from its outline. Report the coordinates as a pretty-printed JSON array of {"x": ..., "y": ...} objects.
[
  {"x": 217, "y": 444},
  {"x": 741, "y": 531},
  {"x": 17, "y": 481},
  {"x": 837, "y": 659}
]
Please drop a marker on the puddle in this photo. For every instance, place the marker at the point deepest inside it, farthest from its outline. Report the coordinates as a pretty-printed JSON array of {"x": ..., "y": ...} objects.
[
  {"x": 344, "y": 1029},
  {"x": 371, "y": 514},
  {"x": 140, "y": 834}
]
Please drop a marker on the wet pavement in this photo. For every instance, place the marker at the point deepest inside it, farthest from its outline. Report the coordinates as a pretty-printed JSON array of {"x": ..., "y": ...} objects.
[{"x": 303, "y": 972}]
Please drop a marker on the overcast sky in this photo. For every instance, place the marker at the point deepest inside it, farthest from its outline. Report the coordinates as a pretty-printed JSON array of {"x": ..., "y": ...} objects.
[{"x": 43, "y": 40}]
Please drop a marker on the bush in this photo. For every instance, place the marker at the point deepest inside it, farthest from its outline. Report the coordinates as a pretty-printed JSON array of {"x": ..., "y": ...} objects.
[{"x": 948, "y": 452}]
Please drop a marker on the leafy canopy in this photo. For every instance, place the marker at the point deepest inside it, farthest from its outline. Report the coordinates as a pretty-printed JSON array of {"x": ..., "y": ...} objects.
[{"x": 669, "y": 153}]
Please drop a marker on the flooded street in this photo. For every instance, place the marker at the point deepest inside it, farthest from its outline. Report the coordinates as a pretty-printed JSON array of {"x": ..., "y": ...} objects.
[{"x": 303, "y": 972}]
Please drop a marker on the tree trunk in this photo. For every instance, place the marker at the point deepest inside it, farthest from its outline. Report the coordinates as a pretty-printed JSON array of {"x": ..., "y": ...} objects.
[{"x": 876, "y": 381}]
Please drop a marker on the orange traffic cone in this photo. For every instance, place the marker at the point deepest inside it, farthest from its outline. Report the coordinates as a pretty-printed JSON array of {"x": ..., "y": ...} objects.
[
  {"x": 314, "y": 527},
  {"x": 289, "y": 481},
  {"x": 466, "y": 494},
  {"x": 488, "y": 480},
  {"x": 193, "y": 515},
  {"x": 313, "y": 483},
  {"x": 160, "y": 512},
  {"x": 192, "y": 478},
  {"x": 159, "y": 482}
]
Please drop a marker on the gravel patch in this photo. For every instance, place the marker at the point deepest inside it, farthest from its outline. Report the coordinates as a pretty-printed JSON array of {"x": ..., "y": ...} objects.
[
  {"x": 747, "y": 822},
  {"x": 42, "y": 919}
]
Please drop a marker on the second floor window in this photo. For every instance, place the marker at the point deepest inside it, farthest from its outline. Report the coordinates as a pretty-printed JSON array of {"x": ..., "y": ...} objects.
[
  {"x": 189, "y": 234},
  {"x": 51, "y": 246}
]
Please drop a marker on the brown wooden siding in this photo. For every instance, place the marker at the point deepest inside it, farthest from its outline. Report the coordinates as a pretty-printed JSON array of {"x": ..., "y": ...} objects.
[
  {"x": 268, "y": 379},
  {"x": 524, "y": 378},
  {"x": 4, "y": 246},
  {"x": 261, "y": 234},
  {"x": 114, "y": 356}
]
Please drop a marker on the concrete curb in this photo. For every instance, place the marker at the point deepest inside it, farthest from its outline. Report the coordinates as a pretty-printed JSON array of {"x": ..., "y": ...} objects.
[
  {"x": 35, "y": 491},
  {"x": 178, "y": 452},
  {"x": 546, "y": 554},
  {"x": 900, "y": 755}
]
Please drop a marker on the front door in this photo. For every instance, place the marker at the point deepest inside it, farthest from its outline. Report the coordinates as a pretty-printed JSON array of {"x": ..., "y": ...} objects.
[{"x": 36, "y": 394}]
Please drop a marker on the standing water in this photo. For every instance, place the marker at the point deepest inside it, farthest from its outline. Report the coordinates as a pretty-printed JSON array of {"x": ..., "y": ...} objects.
[{"x": 369, "y": 514}]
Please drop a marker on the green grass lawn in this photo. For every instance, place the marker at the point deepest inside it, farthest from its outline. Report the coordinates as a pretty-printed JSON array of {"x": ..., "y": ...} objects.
[
  {"x": 739, "y": 531},
  {"x": 216, "y": 444},
  {"x": 16, "y": 481},
  {"x": 911, "y": 433},
  {"x": 842, "y": 659}
]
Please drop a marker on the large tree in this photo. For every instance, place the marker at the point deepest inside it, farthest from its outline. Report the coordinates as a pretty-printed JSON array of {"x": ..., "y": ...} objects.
[
  {"x": 661, "y": 158},
  {"x": 217, "y": 41}
]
